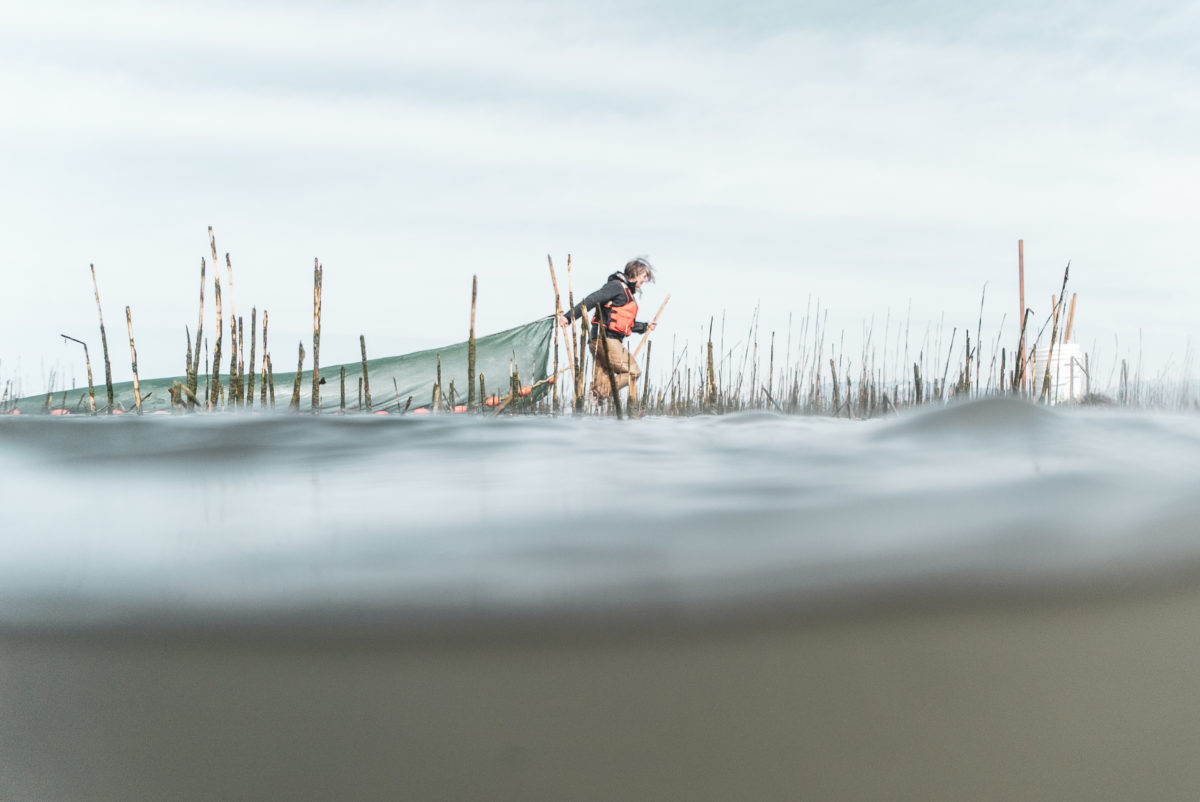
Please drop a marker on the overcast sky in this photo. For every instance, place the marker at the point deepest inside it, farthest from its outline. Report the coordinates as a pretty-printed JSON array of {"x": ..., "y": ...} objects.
[{"x": 872, "y": 156}]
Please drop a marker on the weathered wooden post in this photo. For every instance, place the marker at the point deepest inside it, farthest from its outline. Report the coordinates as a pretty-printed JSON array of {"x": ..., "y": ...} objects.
[
  {"x": 87, "y": 360},
  {"x": 362, "y": 342},
  {"x": 103, "y": 345},
  {"x": 253, "y": 343},
  {"x": 295, "y": 404},
  {"x": 194, "y": 369},
  {"x": 137, "y": 389},
  {"x": 471, "y": 346},
  {"x": 215, "y": 390},
  {"x": 262, "y": 399},
  {"x": 316, "y": 371}
]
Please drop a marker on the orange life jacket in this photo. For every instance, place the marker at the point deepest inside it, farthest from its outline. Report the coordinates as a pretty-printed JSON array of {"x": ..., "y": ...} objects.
[{"x": 620, "y": 318}]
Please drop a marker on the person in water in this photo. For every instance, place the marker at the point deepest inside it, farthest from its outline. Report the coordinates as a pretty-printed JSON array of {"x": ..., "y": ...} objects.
[{"x": 614, "y": 319}]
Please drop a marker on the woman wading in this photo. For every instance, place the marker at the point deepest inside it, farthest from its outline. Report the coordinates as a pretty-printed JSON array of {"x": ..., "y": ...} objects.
[{"x": 614, "y": 319}]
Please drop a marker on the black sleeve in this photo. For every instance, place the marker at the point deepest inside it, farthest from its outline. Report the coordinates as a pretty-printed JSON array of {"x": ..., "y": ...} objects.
[
  {"x": 639, "y": 327},
  {"x": 609, "y": 292}
]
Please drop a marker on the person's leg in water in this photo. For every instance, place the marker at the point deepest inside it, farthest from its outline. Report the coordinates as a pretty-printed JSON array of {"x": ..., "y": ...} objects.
[{"x": 604, "y": 352}]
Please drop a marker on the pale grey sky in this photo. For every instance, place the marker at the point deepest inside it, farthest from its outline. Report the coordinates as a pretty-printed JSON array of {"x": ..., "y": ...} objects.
[{"x": 867, "y": 155}]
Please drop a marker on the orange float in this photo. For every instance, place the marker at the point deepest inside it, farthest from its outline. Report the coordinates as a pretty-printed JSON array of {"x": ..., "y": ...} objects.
[
  {"x": 60, "y": 412},
  {"x": 420, "y": 411},
  {"x": 461, "y": 408},
  {"x": 382, "y": 412},
  {"x": 492, "y": 400},
  {"x": 526, "y": 390}
]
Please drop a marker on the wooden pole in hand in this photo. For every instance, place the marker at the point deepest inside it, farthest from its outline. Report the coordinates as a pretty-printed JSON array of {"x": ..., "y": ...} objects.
[
  {"x": 653, "y": 322},
  {"x": 570, "y": 338},
  {"x": 577, "y": 366}
]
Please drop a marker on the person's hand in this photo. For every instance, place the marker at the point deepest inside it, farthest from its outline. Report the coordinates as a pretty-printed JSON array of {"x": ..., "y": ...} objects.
[
  {"x": 562, "y": 321},
  {"x": 651, "y": 327}
]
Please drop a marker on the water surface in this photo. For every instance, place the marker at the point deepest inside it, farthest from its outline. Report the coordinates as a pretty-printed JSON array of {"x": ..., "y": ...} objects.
[{"x": 287, "y": 521}]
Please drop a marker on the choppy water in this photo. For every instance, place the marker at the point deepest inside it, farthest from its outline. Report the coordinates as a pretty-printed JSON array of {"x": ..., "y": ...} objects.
[{"x": 278, "y": 521}]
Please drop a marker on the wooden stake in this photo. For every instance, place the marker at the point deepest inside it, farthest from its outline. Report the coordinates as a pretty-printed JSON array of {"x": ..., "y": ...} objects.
[
  {"x": 295, "y": 404},
  {"x": 316, "y": 371},
  {"x": 240, "y": 391},
  {"x": 342, "y": 404},
  {"x": 580, "y": 352},
  {"x": 137, "y": 391},
  {"x": 362, "y": 342},
  {"x": 215, "y": 392},
  {"x": 103, "y": 345},
  {"x": 235, "y": 382},
  {"x": 253, "y": 343},
  {"x": 187, "y": 382},
  {"x": 437, "y": 388},
  {"x": 262, "y": 399},
  {"x": 194, "y": 368},
  {"x": 470, "y": 347},
  {"x": 87, "y": 360},
  {"x": 570, "y": 343}
]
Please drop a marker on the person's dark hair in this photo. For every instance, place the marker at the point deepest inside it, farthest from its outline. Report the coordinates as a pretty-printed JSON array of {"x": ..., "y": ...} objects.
[{"x": 639, "y": 266}]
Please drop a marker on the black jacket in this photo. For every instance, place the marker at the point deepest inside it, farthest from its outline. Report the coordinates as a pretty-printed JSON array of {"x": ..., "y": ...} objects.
[{"x": 613, "y": 292}]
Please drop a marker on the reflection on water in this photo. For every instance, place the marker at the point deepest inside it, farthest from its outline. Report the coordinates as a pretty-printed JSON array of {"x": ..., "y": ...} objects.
[{"x": 238, "y": 518}]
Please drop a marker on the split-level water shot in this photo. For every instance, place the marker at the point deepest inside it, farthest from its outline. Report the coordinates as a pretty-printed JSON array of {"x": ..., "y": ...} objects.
[{"x": 607, "y": 402}]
